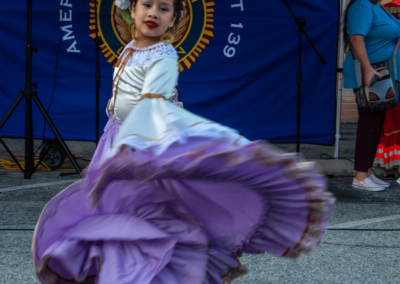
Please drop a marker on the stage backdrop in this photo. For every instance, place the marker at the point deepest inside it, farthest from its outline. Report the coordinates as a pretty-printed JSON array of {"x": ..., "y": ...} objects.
[{"x": 238, "y": 61}]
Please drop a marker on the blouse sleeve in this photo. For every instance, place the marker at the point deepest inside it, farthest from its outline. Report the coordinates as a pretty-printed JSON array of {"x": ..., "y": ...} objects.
[
  {"x": 360, "y": 18},
  {"x": 151, "y": 118},
  {"x": 161, "y": 77},
  {"x": 155, "y": 123}
]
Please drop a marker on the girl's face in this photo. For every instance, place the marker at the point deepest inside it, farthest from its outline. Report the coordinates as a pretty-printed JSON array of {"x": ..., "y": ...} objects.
[{"x": 153, "y": 17}]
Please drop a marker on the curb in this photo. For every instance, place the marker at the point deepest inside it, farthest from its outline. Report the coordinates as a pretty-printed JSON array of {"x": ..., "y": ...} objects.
[{"x": 342, "y": 168}]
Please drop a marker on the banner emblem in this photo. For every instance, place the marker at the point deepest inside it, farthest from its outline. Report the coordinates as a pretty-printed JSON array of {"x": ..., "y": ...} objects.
[{"x": 192, "y": 34}]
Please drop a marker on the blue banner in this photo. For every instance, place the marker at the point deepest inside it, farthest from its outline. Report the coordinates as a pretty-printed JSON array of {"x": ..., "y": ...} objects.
[{"x": 238, "y": 61}]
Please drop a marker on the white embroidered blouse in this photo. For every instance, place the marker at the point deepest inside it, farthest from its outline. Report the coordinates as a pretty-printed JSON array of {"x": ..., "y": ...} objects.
[
  {"x": 152, "y": 70},
  {"x": 141, "y": 100}
]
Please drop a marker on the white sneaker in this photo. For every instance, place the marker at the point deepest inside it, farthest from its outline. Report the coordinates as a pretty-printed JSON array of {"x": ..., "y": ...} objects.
[
  {"x": 379, "y": 182},
  {"x": 367, "y": 184}
]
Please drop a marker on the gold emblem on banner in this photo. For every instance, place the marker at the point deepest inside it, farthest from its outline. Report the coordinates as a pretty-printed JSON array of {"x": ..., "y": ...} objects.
[{"x": 192, "y": 34}]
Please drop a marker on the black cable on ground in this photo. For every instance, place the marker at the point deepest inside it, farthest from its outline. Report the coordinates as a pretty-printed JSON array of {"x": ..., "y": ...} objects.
[{"x": 55, "y": 76}]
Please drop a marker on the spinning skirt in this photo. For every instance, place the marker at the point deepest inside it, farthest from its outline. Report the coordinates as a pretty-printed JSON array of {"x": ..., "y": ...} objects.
[{"x": 182, "y": 217}]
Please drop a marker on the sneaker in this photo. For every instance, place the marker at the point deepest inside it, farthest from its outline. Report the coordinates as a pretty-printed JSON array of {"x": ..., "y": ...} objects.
[
  {"x": 367, "y": 184},
  {"x": 379, "y": 182}
]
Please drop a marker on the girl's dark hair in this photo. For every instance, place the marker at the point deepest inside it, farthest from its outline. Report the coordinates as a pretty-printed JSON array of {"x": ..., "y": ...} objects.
[
  {"x": 345, "y": 33},
  {"x": 179, "y": 5}
]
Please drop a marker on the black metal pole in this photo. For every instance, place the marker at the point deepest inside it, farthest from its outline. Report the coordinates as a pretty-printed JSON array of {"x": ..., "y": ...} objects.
[
  {"x": 320, "y": 57},
  {"x": 97, "y": 105},
  {"x": 29, "y": 152},
  {"x": 299, "y": 81},
  {"x": 299, "y": 77},
  {"x": 97, "y": 77}
]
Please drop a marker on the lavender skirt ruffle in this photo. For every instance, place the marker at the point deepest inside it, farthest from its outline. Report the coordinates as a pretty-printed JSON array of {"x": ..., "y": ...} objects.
[
  {"x": 182, "y": 217},
  {"x": 106, "y": 142}
]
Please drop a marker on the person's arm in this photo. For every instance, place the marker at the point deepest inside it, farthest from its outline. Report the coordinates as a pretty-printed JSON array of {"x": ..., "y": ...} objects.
[
  {"x": 361, "y": 53},
  {"x": 360, "y": 18}
]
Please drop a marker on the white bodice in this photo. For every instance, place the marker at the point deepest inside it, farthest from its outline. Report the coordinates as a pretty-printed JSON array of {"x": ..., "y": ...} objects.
[
  {"x": 150, "y": 70},
  {"x": 141, "y": 100}
]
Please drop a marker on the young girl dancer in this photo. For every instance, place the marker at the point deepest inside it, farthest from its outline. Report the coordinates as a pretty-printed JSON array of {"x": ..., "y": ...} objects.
[{"x": 171, "y": 197}]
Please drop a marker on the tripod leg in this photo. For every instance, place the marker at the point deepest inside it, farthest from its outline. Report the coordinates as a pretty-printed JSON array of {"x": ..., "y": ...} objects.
[
  {"x": 12, "y": 156},
  {"x": 3, "y": 122},
  {"x": 299, "y": 81},
  {"x": 55, "y": 131},
  {"x": 10, "y": 111}
]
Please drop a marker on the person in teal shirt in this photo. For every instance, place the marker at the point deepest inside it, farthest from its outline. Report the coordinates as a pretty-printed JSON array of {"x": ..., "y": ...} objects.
[
  {"x": 373, "y": 34},
  {"x": 380, "y": 33}
]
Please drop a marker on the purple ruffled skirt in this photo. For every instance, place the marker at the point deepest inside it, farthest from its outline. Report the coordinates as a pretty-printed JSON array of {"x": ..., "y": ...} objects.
[
  {"x": 181, "y": 217},
  {"x": 106, "y": 142}
]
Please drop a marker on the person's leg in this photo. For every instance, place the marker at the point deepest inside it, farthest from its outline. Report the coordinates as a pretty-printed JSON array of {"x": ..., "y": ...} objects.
[
  {"x": 372, "y": 177},
  {"x": 377, "y": 138},
  {"x": 370, "y": 125}
]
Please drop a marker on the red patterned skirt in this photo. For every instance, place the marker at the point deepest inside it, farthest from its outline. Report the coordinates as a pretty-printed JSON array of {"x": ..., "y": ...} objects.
[{"x": 388, "y": 154}]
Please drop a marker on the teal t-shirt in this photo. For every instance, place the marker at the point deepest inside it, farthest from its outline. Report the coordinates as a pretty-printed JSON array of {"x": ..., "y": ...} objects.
[{"x": 380, "y": 33}]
